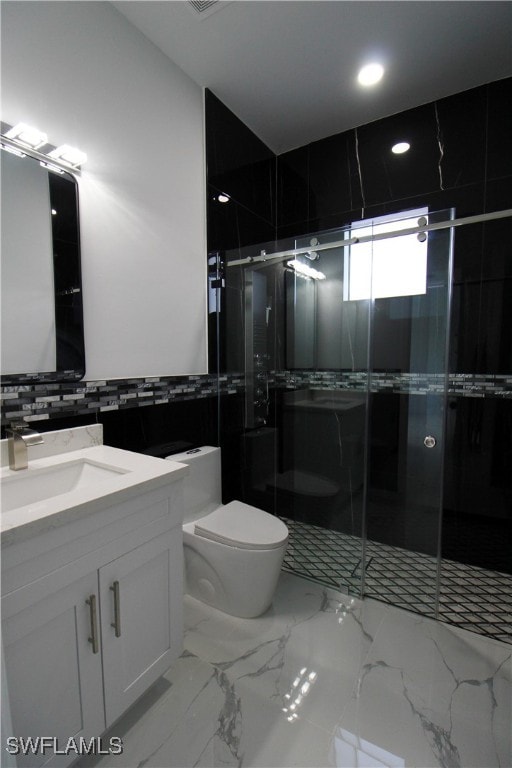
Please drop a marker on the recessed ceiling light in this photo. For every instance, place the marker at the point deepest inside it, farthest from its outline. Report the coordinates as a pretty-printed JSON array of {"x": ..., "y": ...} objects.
[
  {"x": 223, "y": 198},
  {"x": 370, "y": 74},
  {"x": 400, "y": 147}
]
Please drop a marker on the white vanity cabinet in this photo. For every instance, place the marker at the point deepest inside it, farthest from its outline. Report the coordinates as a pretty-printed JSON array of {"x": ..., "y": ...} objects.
[
  {"x": 91, "y": 617},
  {"x": 54, "y": 680},
  {"x": 140, "y": 634}
]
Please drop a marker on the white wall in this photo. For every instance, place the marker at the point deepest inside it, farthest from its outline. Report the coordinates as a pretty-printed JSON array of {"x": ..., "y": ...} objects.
[{"x": 83, "y": 74}]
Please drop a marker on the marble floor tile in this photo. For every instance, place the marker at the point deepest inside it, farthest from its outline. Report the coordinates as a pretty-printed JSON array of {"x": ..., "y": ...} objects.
[
  {"x": 323, "y": 679},
  {"x": 304, "y": 653},
  {"x": 432, "y": 695},
  {"x": 233, "y": 725},
  {"x": 204, "y": 719}
]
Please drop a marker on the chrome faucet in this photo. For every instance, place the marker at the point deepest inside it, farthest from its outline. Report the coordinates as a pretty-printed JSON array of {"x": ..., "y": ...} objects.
[{"x": 19, "y": 437}]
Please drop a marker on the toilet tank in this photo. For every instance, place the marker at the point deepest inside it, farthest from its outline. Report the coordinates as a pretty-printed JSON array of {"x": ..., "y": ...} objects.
[{"x": 202, "y": 488}]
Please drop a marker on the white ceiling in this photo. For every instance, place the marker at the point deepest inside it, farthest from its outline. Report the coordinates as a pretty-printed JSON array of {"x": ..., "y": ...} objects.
[{"x": 288, "y": 68}]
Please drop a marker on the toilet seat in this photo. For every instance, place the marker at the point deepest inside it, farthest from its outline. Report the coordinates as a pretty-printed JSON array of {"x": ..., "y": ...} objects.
[{"x": 241, "y": 525}]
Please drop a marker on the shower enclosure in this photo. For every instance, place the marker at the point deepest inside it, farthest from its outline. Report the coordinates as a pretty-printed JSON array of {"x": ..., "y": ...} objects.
[{"x": 341, "y": 338}]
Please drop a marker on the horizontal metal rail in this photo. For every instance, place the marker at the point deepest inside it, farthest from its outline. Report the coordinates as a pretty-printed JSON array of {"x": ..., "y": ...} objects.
[{"x": 482, "y": 217}]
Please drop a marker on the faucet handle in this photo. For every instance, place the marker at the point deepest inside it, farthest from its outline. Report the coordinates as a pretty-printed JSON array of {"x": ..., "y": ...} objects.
[
  {"x": 20, "y": 437},
  {"x": 20, "y": 428}
]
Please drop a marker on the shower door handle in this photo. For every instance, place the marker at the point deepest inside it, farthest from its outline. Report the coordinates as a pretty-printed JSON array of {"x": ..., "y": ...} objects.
[{"x": 430, "y": 441}]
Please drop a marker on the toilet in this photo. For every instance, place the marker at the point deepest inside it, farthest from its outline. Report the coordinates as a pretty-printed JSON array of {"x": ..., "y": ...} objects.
[{"x": 233, "y": 552}]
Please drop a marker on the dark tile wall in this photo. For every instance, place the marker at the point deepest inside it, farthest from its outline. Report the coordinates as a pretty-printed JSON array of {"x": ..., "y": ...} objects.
[
  {"x": 243, "y": 167},
  {"x": 461, "y": 158}
]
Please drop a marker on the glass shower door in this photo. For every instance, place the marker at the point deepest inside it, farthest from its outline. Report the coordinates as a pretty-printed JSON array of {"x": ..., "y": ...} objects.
[
  {"x": 410, "y": 288},
  {"x": 324, "y": 414},
  {"x": 342, "y": 337}
]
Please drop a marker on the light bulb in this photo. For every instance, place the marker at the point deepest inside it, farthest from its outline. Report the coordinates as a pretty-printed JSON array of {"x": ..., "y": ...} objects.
[{"x": 370, "y": 74}]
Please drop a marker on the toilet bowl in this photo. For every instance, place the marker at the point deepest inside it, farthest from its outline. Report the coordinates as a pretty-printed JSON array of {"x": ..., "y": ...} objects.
[{"x": 233, "y": 552}]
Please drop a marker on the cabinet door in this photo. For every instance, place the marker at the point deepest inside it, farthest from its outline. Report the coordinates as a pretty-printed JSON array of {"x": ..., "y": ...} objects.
[
  {"x": 141, "y": 618},
  {"x": 54, "y": 677}
]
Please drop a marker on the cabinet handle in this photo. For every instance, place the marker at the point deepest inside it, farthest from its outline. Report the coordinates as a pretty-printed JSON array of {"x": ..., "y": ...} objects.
[
  {"x": 91, "y": 602},
  {"x": 117, "y": 609}
]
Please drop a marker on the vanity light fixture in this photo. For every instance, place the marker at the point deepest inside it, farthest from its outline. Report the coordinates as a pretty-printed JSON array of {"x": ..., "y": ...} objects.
[
  {"x": 27, "y": 136},
  {"x": 70, "y": 156},
  {"x": 23, "y": 139},
  {"x": 400, "y": 147},
  {"x": 370, "y": 74}
]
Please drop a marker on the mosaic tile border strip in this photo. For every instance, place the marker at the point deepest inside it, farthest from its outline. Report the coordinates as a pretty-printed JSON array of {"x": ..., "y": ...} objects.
[
  {"x": 462, "y": 384},
  {"x": 42, "y": 401},
  {"x": 472, "y": 598},
  {"x": 45, "y": 400}
]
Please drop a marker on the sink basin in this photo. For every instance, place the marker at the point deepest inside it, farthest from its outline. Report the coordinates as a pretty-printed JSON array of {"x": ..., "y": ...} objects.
[
  {"x": 71, "y": 477},
  {"x": 31, "y": 486}
]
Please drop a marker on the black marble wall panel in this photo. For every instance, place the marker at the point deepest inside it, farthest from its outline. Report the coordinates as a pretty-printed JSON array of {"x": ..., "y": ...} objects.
[
  {"x": 460, "y": 158},
  {"x": 461, "y": 135},
  {"x": 460, "y": 145},
  {"x": 332, "y": 170},
  {"x": 232, "y": 225},
  {"x": 499, "y": 130},
  {"x": 162, "y": 429},
  {"x": 386, "y": 177},
  {"x": 293, "y": 198},
  {"x": 477, "y": 524},
  {"x": 241, "y": 166},
  {"x": 231, "y": 417}
]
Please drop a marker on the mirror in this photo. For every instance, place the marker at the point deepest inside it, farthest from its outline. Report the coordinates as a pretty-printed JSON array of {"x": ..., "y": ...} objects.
[{"x": 41, "y": 290}]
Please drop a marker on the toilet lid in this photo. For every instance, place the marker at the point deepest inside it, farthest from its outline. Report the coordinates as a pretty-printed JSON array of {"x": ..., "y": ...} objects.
[{"x": 241, "y": 525}]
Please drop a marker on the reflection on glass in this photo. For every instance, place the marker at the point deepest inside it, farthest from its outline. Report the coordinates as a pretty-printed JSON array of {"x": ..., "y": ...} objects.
[{"x": 385, "y": 268}]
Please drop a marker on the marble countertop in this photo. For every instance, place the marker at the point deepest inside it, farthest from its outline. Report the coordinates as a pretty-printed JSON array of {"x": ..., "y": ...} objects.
[{"x": 131, "y": 475}]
